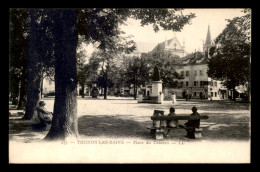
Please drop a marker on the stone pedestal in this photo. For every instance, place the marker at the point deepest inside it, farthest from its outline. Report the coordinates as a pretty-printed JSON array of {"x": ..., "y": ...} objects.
[
  {"x": 156, "y": 96},
  {"x": 156, "y": 88}
]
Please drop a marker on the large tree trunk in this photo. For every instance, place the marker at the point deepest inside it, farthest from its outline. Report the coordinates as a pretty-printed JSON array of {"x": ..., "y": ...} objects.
[
  {"x": 33, "y": 69},
  {"x": 105, "y": 92},
  {"x": 105, "y": 86},
  {"x": 135, "y": 91},
  {"x": 65, "y": 123},
  {"x": 135, "y": 86},
  {"x": 33, "y": 97},
  {"x": 83, "y": 88},
  {"x": 21, "y": 103},
  {"x": 249, "y": 90},
  {"x": 41, "y": 87},
  {"x": 14, "y": 90},
  {"x": 33, "y": 94}
]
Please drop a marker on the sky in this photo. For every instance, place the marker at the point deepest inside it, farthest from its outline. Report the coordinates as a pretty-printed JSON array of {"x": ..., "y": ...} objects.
[{"x": 192, "y": 34}]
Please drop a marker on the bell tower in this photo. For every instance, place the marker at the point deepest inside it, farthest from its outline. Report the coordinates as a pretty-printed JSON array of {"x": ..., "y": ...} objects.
[{"x": 208, "y": 43}]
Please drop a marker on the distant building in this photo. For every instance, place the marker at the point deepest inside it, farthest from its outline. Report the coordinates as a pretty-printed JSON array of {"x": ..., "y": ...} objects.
[
  {"x": 173, "y": 45},
  {"x": 196, "y": 80},
  {"x": 48, "y": 86}
]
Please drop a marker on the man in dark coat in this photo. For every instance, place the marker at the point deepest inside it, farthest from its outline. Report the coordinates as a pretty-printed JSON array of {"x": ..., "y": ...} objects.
[{"x": 192, "y": 124}]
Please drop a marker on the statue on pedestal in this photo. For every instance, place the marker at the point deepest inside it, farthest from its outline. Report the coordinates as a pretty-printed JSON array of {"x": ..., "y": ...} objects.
[{"x": 156, "y": 74}]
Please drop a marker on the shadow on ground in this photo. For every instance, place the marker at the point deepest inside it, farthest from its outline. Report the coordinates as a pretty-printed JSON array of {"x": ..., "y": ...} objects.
[
  {"x": 113, "y": 126},
  {"x": 218, "y": 127},
  {"x": 120, "y": 127},
  {"x": 26, "y": 130}
]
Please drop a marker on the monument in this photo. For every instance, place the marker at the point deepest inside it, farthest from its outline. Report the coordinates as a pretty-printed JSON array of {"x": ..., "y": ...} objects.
[{"x": 157, "y": 95}]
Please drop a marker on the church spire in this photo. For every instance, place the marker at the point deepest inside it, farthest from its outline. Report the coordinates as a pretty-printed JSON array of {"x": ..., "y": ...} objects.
[
  {"x": 208, "y": 42},
  {"x": 208, "y": 38}
]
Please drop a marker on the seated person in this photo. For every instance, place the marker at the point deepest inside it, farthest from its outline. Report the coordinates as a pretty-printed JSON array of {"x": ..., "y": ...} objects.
[
  {"x": 163, "y": 122},
  {"x": 163, "y": 126},
  {"x": 172, "y": 123},
  {"x": 44, "y": 115},
  {"x": 192, "y": 124}
]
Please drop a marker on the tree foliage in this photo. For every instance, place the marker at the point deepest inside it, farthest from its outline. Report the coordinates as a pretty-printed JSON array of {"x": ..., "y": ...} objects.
[
  {"x": 137, "y": 73},
  {"x": 230, "y": 59},
  {"x": 54, "y": 33},
  {"x": 102, "y": 25},
  {"x": 167, "y": 64}
]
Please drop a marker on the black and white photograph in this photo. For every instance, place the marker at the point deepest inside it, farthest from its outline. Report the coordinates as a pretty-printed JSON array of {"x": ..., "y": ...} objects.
[{"x": 129, "y": 85}]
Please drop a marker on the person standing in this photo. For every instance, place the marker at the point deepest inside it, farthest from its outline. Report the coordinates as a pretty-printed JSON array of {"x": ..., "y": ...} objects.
[{"x": 173, "y": 97}]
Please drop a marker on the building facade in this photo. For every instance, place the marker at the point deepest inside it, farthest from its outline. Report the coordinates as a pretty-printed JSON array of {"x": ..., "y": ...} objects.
[
  {"x": 196, "y": 81},
  {"x": 48, "y": 86}
]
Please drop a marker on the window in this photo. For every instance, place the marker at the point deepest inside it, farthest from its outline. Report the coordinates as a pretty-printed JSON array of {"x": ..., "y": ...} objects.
[
  {"x": 181, "y": 83},
  {"x": 201, "y": 72},
  {"x": 182, "y": 73},
  {"x": 187, "y": 83},
  {"x": 195, "y": 83},
  {"x": 215, "y": 94},
  {"x": 187, "y": 73},
  {"x": 195, "y": 73},
  {"x": 201, "y": 83},
  {"x": 194, "y": 94},
  {"x": 211, "y": 94},
  {"x": 216, "y": 84}
]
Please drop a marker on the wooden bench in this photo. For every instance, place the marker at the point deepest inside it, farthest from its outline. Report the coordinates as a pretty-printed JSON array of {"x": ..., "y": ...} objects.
[{"x": 158, "y": 133}]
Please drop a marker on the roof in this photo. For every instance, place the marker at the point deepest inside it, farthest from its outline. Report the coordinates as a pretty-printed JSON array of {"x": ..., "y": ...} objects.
[
  {"x": 194, "y": 58},
  {"x": 170, "y": 42}
]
